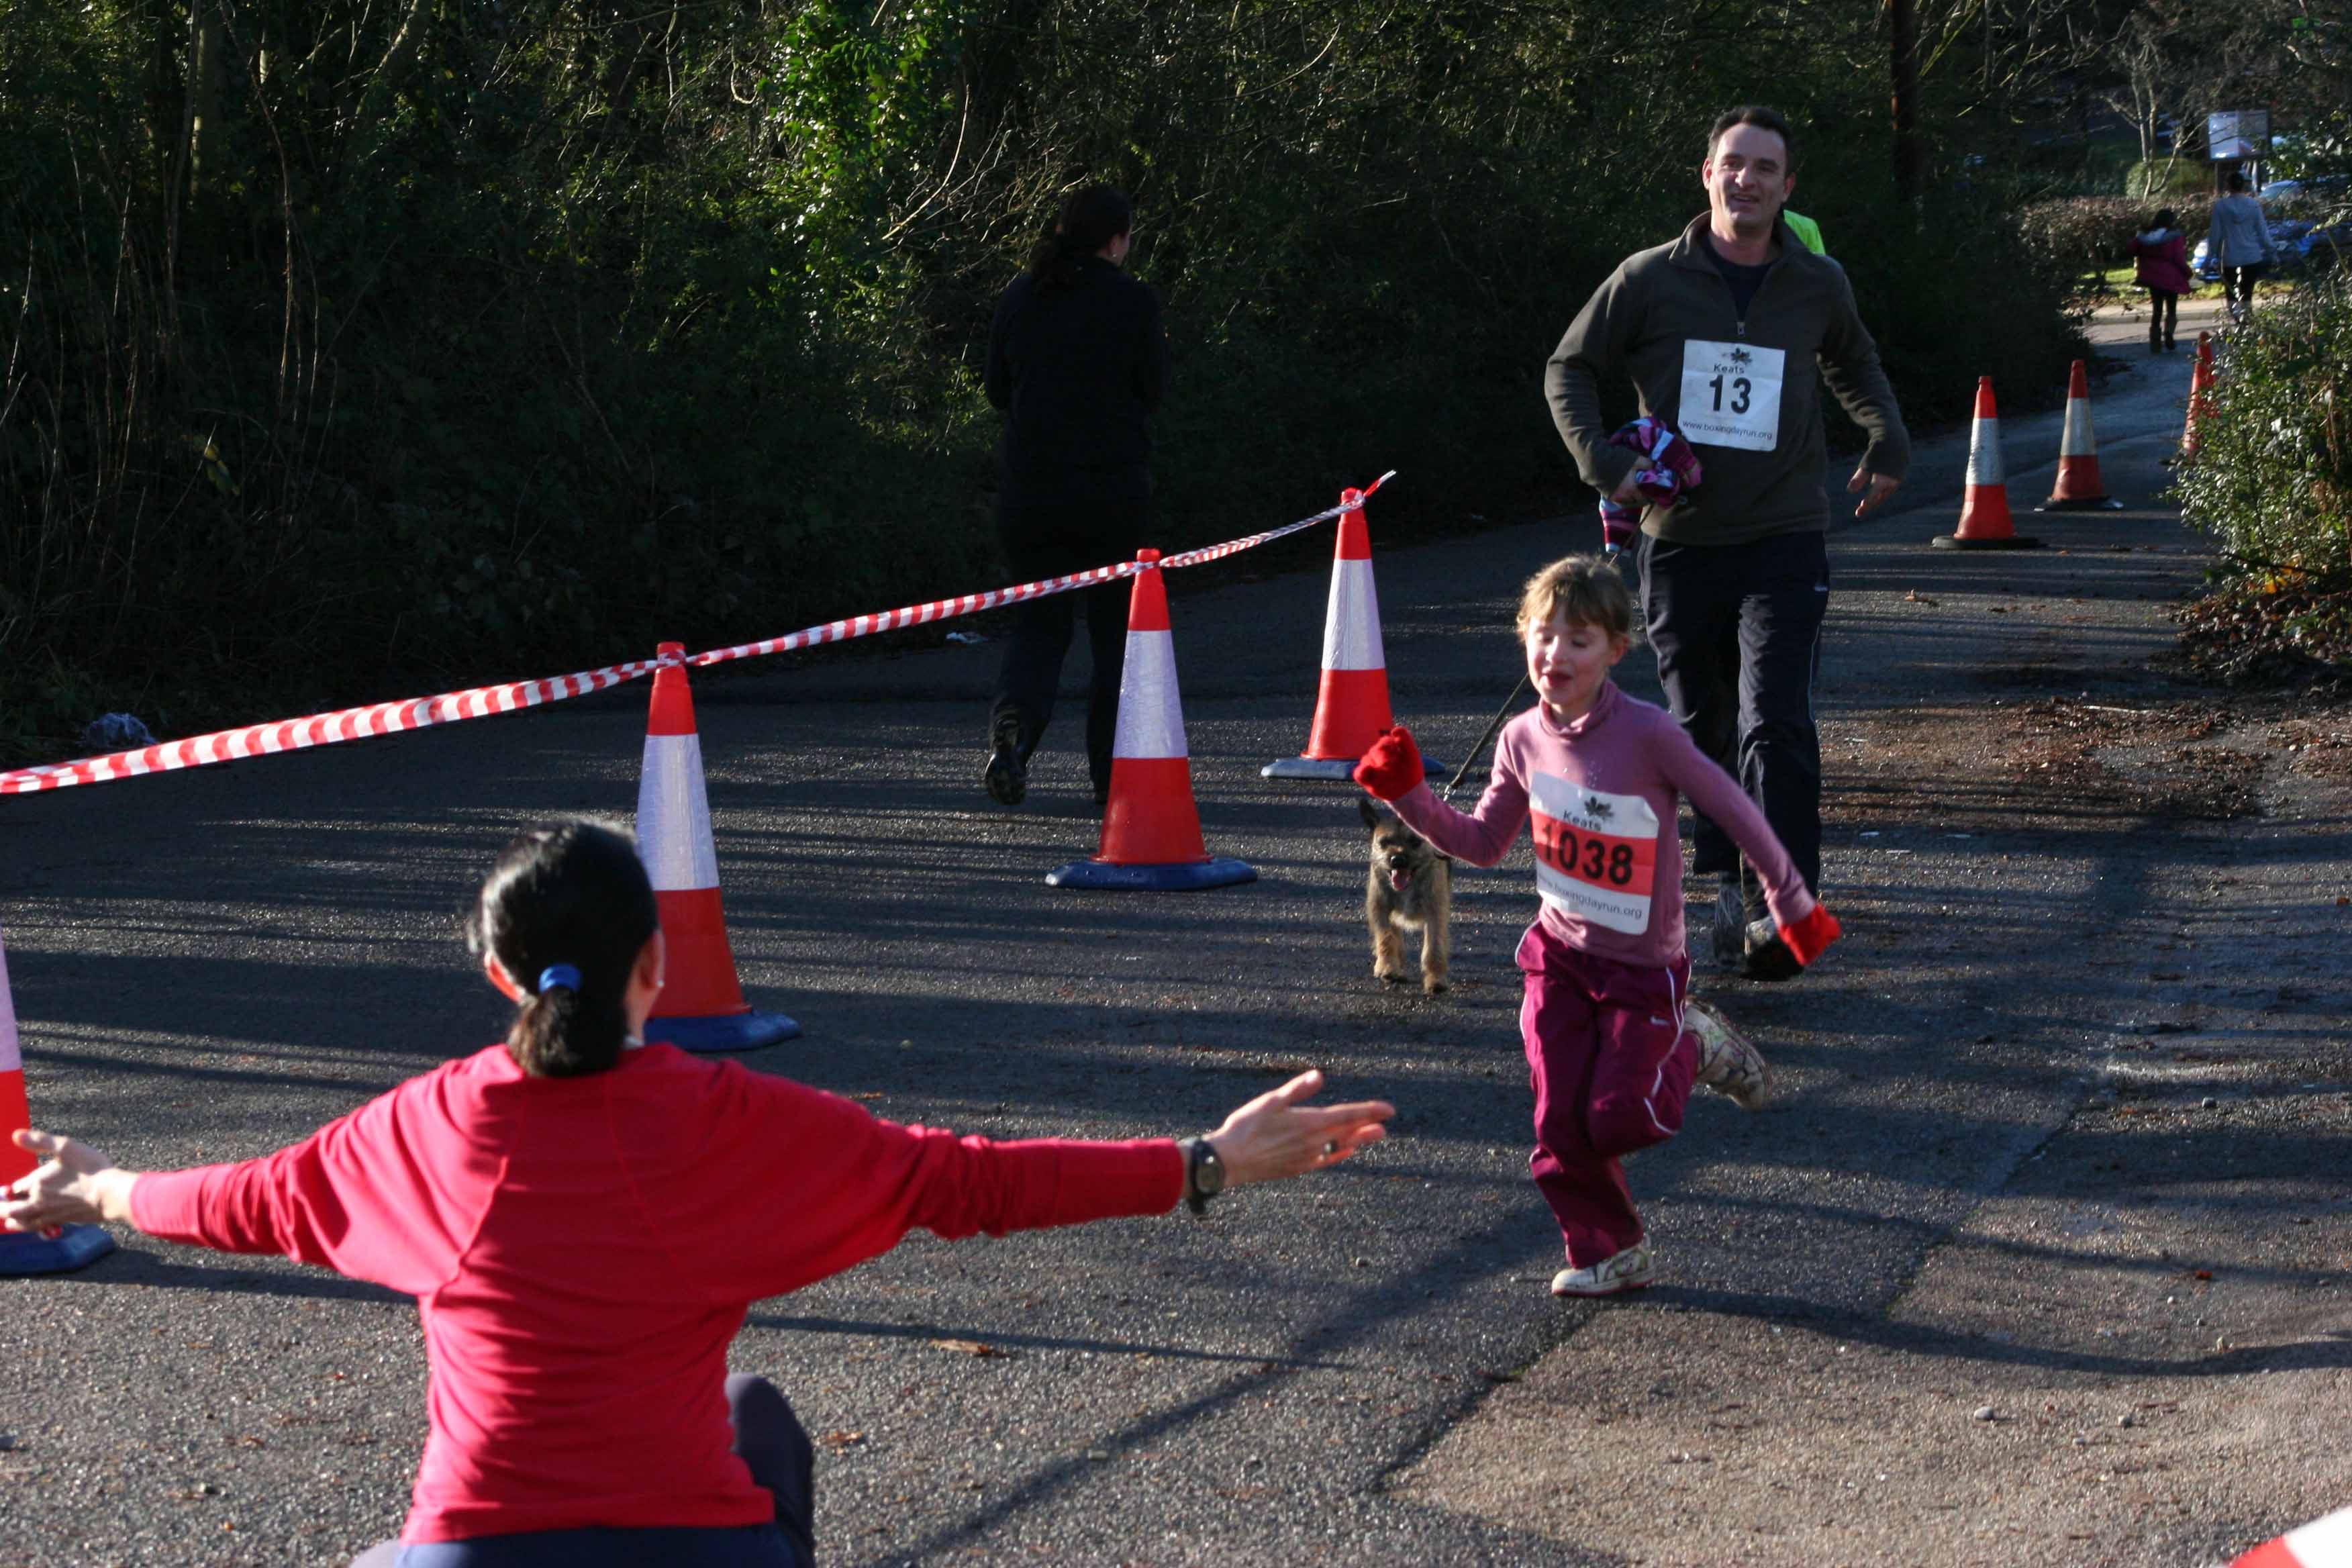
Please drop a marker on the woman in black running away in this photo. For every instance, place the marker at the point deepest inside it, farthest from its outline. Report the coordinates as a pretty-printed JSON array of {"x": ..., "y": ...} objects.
[{"x": 1078, "y": 360}]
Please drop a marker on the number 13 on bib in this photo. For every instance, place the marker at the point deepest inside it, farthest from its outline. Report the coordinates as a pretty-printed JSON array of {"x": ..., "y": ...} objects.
[{"x": 1731, "y": 394}]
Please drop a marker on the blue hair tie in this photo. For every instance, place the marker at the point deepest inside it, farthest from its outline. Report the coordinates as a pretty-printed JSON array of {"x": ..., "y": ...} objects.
[{"x": 556, "y": 975}]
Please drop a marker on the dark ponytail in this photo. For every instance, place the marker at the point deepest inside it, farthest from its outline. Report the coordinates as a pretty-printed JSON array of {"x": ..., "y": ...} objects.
[
  {"x": 1090, "y": 219},
  {"x": 566, "y": 911}
]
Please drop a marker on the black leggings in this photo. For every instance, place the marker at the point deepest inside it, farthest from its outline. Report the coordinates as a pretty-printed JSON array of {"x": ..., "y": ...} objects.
[
  {"x": 768, "y": 1437},
  {"x": 2163, "y": 313},
  {"x": 1051, "y": 541},
  {"x": 2238, "y": 283}
]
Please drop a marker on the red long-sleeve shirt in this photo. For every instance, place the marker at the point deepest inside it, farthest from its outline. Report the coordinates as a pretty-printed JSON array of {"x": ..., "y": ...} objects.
[
  {"x": 1602, "y": 791},
  {"x": 583, "y": 1249}
]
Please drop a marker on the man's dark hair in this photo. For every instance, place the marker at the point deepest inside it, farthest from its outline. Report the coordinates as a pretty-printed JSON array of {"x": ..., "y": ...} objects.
[
  {"x": 2237, "y": 181},
  {"x": 1761, "y": 118}
]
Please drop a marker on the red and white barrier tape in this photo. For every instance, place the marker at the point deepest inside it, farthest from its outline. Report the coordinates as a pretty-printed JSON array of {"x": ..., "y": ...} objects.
[
  {"x": 915, "y": 614},
  {"x": 482, "y": 701}
]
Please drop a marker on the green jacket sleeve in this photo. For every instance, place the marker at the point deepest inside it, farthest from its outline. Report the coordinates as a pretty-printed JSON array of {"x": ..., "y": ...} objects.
[
  {"x": 1849, "y": 369},
  {"x": 1593, "y": 349}
]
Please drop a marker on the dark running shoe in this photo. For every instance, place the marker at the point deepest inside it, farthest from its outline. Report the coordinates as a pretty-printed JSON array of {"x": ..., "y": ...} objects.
[
  {"x": 1730, "y": 922},
  {"x": 1746, "y": 943},
  {"x": 1006, "y": 775}
]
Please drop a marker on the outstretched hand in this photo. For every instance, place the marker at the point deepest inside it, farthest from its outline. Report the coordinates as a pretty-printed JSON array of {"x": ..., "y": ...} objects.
[
  {"x": 75, "y": 1184},
  {"x": 1879, "y": 486},
  {"x": 1276, "y": 1136}
]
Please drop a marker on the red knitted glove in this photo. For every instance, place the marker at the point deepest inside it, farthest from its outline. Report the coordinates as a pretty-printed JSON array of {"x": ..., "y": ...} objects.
[
  {"x": 1811, "y": 937},
  {"x": 1392, "y": 769}
]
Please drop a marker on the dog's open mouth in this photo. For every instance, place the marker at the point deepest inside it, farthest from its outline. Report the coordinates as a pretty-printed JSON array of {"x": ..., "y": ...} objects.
[{"x": 1399, "y": 877}]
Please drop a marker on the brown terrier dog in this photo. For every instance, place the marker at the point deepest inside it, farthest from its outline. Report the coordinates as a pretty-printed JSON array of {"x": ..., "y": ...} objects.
[{"x": 1409, "y": 887}]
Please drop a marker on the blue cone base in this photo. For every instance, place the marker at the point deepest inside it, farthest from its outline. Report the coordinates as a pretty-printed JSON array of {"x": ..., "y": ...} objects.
[
  {"x": 727, "y": 1032},
  {"x": 76, "y": 1246},
  {"x": 1341, "y": 768},
  {"x": 1182, "y": 877},
  {"x": 2098, "y": 503}
]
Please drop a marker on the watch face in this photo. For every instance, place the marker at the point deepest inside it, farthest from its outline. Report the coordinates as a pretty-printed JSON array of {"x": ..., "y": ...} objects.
[{"x": 1208, "y": 1171}]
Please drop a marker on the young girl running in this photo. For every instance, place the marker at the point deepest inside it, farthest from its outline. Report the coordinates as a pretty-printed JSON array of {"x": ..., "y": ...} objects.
[{"x": 1608, "y": 978}]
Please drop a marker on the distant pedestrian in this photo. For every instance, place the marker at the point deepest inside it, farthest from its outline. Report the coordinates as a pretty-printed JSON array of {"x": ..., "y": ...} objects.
[
  {"x": 585, "y": 1219},
  {"x": 1077, "y": 359},
  {"x": 2241, "y": 244},
  {"x": 1730, "y": 335},
  {"x": 1612, "y": 1050},
  {"x": 2162, "y": 252}
]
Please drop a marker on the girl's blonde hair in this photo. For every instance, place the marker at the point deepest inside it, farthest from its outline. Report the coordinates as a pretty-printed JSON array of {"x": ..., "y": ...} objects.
[{"x": 1586, "y": 589}]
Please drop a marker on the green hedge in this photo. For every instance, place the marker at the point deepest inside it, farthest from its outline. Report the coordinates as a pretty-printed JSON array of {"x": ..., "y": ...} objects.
[{"x": 2273, "y": 474}]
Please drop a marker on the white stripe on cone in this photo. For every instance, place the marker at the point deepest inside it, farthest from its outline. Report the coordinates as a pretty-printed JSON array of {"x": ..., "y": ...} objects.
[
  {"x": 1351, "y": 620},
  {"x": 1154, "y": 727},
  {"x": 674, "y": 816},
  {"x": 12, "y": 1057},
  {"x": 2076, "y": 440},
  {"x": 1984, "y": 452},
  {"x": 2324, "y": 1542}
]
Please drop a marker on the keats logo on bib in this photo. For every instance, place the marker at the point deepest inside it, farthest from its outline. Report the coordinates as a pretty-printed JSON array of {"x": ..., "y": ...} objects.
[{"x": 1596, "y": 853}]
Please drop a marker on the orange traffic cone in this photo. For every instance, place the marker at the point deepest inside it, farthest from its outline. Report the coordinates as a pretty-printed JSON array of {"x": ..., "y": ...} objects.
[
  {"x": 701, "y": 1006},
  {"x": 1985, "y": 522},
  {"x": 1151, "y": 830},
  {"x": 27, "y": 1252},
  {"x": 1352, "y": 703},
  {"x": 2323, "y": 1543},
  {"x": 2200, "y": 403},
  {"x": 2079, "y": 486},
  {"x": 2205, "y": 353}
]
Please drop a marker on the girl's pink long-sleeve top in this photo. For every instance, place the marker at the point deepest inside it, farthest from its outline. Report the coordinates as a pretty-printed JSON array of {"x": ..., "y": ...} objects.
[
  {"x": 583, "y": 1249},
  {"x": 1602, "y": 793}
]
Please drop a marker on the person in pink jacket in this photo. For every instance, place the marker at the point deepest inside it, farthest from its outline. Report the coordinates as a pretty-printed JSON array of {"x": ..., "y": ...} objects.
[
  {"x": 584, "y": 1218},
  {"x": 2162, "y": 252},
  {"x": 1609, "y": 1046}
]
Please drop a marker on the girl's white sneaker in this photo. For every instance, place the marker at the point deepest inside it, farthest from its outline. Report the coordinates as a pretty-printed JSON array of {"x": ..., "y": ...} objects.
[
  {"x": 1728, "y": 1062},
  {"x": 1629, "y": 1270}
]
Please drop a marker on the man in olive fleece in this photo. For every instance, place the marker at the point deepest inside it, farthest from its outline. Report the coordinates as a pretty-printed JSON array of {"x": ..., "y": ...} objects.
[{"x": 1727, "y": 334}]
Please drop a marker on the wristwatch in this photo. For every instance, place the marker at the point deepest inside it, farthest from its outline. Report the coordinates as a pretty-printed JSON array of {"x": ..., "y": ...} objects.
[{"x": 1204, "y": 1173}]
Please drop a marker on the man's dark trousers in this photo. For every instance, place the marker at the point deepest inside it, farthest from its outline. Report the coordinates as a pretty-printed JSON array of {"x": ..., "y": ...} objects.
[
  {"x": 1047, "y": 540},
  {"x": 1737, "y": 629}
]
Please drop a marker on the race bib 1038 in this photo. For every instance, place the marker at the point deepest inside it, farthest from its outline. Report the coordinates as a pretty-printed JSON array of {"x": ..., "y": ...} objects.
[
  {"x": 1596, "y": 854},
  {"x": 1731, "y": 394}
]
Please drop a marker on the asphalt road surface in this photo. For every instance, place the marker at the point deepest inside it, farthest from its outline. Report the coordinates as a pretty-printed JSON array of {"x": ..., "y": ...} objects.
[{"x": 1363, "y": 1366}]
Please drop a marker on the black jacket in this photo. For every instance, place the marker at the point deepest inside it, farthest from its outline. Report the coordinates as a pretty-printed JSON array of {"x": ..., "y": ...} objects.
[{"x": 1079, "y": 370}]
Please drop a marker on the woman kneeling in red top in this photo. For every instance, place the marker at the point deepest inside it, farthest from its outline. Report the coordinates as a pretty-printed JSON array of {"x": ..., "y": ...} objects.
[{"x": 585, "y": 1219}]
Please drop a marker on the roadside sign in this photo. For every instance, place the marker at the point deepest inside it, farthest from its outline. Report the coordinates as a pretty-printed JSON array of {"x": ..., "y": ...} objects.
[{"x": 2232, "y": 135}]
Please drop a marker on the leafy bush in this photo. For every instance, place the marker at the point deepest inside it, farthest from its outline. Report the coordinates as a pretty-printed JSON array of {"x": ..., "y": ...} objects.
[
  {"x": 2273, "y": 474},
  {"x": 2085, "y": 235},
  {"x": 2166, "y": 180}
]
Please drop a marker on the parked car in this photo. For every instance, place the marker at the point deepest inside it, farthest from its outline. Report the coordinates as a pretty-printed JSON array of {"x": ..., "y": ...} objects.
[
  {"x": 2325, "y": 248},
  {"x": 2287, "y": 235}
]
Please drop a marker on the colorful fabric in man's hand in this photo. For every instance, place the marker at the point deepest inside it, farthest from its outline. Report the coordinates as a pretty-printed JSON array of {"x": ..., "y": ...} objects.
[{"x": 1669, "y": 467}]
